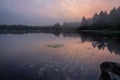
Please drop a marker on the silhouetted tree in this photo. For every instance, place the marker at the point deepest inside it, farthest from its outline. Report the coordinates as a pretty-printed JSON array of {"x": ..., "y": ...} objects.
[
  {"x": 102, "y": 21},
  {"x": 84, "y": 21}
]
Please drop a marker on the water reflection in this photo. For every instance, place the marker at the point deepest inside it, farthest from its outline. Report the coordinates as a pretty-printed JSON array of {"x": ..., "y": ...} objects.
[
  {"x": 102, "y": 41},
  {"x": 72, "y": 56}
]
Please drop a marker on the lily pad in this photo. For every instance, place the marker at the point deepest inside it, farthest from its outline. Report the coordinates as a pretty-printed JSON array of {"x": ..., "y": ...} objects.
[
  {"x": 42, "y": 69},
  {"x": 31, "y": 65},
  {"x": 54, "y": 45},
  {"x": 56, "y": 70}
]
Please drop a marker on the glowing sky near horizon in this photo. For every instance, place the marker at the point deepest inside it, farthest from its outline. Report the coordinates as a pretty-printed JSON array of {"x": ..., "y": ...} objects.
[{"x": 50, "y": 11}]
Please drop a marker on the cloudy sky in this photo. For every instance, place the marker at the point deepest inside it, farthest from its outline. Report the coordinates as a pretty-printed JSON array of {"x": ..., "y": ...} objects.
[{"x": 46, "y": 12}]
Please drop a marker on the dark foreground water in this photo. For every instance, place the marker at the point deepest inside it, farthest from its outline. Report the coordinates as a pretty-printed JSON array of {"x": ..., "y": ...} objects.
[{"x": 67, "y": 56}]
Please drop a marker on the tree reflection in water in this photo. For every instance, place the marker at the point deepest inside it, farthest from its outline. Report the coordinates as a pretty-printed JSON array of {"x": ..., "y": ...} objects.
[{"x": 112, "y": 43}]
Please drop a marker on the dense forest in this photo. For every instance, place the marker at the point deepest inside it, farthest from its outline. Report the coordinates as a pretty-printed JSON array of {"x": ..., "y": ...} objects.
[
  {"x": 102, "y": 21},
  {"x": 26, "y": 27},
  {"x": 21, "y": 29}
]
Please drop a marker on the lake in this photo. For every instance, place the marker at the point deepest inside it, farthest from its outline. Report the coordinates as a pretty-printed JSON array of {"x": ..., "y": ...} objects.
[{"x": 54, "y": 56}]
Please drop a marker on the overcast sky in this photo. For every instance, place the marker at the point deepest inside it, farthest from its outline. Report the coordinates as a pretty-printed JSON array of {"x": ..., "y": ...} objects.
[{"x": 46, "y": 12}]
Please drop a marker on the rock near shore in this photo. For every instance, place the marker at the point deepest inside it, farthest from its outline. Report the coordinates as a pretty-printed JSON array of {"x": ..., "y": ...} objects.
[{"x": 110, "y": 71}]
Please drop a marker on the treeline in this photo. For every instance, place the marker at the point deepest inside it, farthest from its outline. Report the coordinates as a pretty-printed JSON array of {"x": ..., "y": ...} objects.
[
  {"x": 102, "y": 21},
  {"x": 26, "y": 27}
]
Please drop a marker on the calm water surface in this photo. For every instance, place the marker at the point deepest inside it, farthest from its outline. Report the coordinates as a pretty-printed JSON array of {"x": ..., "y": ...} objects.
[{"x": 68, "y": 56}]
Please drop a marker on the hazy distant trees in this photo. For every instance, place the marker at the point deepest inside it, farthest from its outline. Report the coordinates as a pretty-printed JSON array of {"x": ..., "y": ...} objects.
[
  {"x": 102, "y": 21},
  {"x": 71, "y": 24},
  {"x": 20, "y": 29}
]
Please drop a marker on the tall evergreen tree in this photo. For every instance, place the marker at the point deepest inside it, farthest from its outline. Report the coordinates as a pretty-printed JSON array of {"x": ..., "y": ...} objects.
[{"x": 103, "y": 20}]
